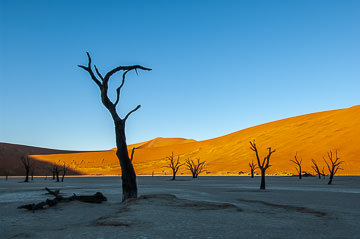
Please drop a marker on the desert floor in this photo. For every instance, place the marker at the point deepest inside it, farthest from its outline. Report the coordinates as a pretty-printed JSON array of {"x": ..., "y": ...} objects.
[{"x": 207, "y": 207}]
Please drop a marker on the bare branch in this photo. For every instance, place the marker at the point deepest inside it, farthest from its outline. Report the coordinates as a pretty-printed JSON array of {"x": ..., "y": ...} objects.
[
  {"x": 98, "y": 73},
  {"x": 128, "y": 114},
  {"x": 123, "y": 68},
  {"x": 132, "y": 153},
  {"x": 88, "y": 69},
  {"x": 119, "y": 88}
]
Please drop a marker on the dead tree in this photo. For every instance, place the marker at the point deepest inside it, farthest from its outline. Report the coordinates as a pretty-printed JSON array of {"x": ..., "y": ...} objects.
[
  {"x": 264, "y": 165},
  {"x": 28, "y": 163},
  {"x": 174, "y": 164},
  {"x": 53, "y": 170},
  {"x": 195, "y": 167},
  {"x": 298, "y": 163},
  {"x": 56, "y": 172},
  {"x": 252, "y": 168},
  {"x": 129, "y": 186},
  {"x": 96, "y": 198},
  {"x": 333, "y": 165},
  {"x": 64, "y": 172},
  {"x": 6, "y": 174},
  {"x": 316, "y": 168}
]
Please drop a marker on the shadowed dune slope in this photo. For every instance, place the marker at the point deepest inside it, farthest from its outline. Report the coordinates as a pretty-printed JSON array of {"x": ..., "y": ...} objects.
[
  {"x": 10, "y": 159},
  {"x": 311, "y": 136}
]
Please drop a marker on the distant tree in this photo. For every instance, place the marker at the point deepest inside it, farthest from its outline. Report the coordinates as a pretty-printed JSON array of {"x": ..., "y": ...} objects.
[
  {"x": 56, "y": 172},
  {"x": 265, "y": 163},
  {"x": 252, "y": 168},
  {"x": 6, "y": 174},
  {"x": 333, "y": 165},
  {"x": 316, "y": 168},
  {"x": 32, "y": 173},
  {"x": 28, "y": 163},
  {"x": 129, "y": 186},
  {"x": 195, "y": 167},
  {"x": 298, "y": 163},
  {"x": 174, "y": 165},
  {"x": 53, "y": 170},
  {"x": 64, "y": 172}
]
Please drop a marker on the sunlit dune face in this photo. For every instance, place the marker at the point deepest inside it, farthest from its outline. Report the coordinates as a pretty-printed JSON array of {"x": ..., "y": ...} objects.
[{"x": 311, "y": 136}]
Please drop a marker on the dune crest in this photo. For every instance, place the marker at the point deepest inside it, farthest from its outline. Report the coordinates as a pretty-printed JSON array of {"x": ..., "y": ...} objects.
[{"x": 311, "y": 136}]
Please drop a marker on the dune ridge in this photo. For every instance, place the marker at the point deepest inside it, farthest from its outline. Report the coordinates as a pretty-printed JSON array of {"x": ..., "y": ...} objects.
[{"x": 311, "y": 136}]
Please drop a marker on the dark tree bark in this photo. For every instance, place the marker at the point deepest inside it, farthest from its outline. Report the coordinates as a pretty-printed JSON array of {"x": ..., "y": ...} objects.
[
  {"x": 57, "y": 172},
  {"x": 264, "y": 165},
  {"x": 333, "y": 165},
  {"x": 27, "y": 162},
  {"x": 252, "y": 168},
  {"x": 195, "y": 167},
  {"x": 53, "y": 171},
  {"x": 64, "y": 172},
  {"x": 174, "y": 165},
  {"x": 316, "y": 168},
  {"x": 7, "y": 174},
  {"x": 298, "y": 163},
  {"x": 96, "y": 198},
  {"x": 132, "y": 153},
  {"x": 129, "y": 186}
]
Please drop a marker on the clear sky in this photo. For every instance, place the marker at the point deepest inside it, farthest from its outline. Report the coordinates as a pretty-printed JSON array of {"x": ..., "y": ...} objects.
[{"x": 218, "y": 66}]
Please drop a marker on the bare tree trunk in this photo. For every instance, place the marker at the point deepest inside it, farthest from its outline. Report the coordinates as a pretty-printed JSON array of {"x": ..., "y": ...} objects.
[
  {"x": 129, "y": 186},
  {"x": 262, "y": 185},
  {"x": 57, "y": 175},
  {"x": 252, "y": 174},
  {"x": 27, "y": 175},
  {"x": 330, "y": 179},
  {"x": 174, "y": 174}
]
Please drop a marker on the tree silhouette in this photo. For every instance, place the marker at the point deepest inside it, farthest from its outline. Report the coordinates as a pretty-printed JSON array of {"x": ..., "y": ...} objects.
[
  {"x": 264, "y": 165},
  {"x": 28, "y": 163},
  {"x": 174, "y": 164},
  {"x": 64, "y": 172},
  {"x": 129, "y": 186},
  {"x": 252, "y": 168},
  {"x": 333, "y": 165},
  {"x": 195, "y": 167},
  {"x": 316, "y": 168},
  {"x": 57, "y": 172},
  {"x": 298, "y": 163}
]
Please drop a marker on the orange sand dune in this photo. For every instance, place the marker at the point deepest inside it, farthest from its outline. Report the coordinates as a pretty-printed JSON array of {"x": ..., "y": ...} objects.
[{"x": 311, "y": 136}]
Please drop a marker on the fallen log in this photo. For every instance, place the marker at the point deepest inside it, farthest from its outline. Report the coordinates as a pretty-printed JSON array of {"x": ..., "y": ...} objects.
[{"x": 96, "y": 198}]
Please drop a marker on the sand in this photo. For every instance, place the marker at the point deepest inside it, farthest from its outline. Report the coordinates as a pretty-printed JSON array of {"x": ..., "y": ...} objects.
[
  {"x": 311, "y": 136},
  {"x": 208, "y": 207}
]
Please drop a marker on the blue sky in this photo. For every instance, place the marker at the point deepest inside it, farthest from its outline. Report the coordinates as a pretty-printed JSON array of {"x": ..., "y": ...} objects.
[{"x": 218, "y": 66}]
